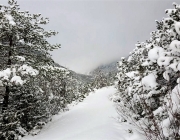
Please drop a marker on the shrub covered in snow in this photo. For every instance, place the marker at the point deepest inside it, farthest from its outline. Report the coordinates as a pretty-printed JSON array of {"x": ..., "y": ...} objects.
[{"x": 148, "y": 81}]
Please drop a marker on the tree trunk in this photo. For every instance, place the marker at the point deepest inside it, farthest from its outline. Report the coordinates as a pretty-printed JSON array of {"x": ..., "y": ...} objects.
[{"x": 6, "y": 96}]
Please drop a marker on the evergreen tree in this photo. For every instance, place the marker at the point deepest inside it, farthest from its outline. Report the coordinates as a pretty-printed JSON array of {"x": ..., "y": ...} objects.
[
  {"x": 28, "y": 74},
  {"x": 100, "y": 80},
  {"x": 23, "y": 37},
  {"x": 148, "y": 81}
]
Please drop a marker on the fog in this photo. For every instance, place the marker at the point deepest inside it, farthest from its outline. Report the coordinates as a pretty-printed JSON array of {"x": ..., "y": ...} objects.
[{"x": 95, "y": 32}]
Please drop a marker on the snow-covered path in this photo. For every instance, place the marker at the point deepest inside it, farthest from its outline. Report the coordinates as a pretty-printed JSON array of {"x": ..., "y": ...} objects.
[{"x": 92, "y": 119}]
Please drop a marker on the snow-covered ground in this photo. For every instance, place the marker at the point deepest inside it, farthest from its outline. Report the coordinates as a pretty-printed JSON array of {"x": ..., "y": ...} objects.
[{"x": 93, "y": 119}]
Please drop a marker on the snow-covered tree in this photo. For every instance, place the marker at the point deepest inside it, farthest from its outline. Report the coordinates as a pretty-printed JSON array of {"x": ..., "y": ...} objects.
[
  {"x": 100, "y": 80},
  {"x": 148, "y": 81},
  {"x": 23, "y": 38},
  {"x": 28, "y": 74}
]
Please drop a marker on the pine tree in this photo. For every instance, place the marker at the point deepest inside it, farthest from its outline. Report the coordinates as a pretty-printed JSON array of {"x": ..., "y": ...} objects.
[
  {"x": 100, "y": 80},
  {"x": 26, "y": 71},
  {"x": 22, "y": 36},
  {"x": 148, "y": 81}
]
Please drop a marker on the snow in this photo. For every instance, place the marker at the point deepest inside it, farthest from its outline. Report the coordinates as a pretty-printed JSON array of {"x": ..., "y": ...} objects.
[
  {"x": 17, "y": 80},
  {"x": 149, "y": 81},
  {"x": 25, "y": 69},
  {"x": 170, "y": 11},
  {"x": 20, "y": 58},
  {"x": 55, "y": 68},
  {"x": 130, "y": 58},
  {"x": 146, "y": 63},
  {"x": 21, "y": 41},
  {"x": 165, "y": 125},
  {"x": 159, "y": 110},
  {"x": 9, "y": 74},
  {"x": 93, "y": 119},
  {"x": 164, "y": 61},
  {"x": 175, "y": 95},
  {"x": 177, "y": 27},
  {"x": 166, "y": 75},
  {"x": 122, "y": 58},
  {"x": 175, "y": 46},
  {"x": 155, "y": 53},
  {"x": 10, "y": 18},
  {"x": 5, "y": 73},
  {"x": 132, "y": 74},
  {"x": 178, "y": 80},
  {"x": 174, "y": 66}
]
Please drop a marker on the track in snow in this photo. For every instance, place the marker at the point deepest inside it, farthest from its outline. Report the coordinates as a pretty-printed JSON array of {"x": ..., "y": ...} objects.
[{"x": 92, "y": 119}]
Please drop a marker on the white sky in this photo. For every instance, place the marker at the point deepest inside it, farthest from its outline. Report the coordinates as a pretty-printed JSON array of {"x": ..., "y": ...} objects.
[{"x": 95, "y": 32}]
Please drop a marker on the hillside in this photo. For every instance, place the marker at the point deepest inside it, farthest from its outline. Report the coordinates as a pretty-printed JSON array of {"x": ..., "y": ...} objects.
[
  {"x": 80, "y": 77},
  {"x": 106, "y": 69}
]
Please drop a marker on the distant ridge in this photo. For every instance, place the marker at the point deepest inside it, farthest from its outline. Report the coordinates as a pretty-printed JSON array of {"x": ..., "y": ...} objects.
[
  {"x": 106, "y": 69},
  {"x": 80, "y": 77}
]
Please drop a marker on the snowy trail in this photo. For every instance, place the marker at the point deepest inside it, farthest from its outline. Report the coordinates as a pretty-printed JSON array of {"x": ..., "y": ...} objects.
[{"x": 92, "y": 119}]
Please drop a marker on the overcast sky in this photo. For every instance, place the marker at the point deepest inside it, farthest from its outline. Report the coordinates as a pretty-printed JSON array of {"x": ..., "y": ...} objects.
[{"x": 95, "y": 32}]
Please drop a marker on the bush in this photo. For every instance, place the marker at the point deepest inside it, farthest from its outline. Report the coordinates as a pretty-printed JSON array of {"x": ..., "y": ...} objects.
[{"x": 148, "y": 81}]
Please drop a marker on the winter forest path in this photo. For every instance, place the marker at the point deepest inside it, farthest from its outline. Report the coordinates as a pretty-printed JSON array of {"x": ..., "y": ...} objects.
[{"x": 92, "y": 119}]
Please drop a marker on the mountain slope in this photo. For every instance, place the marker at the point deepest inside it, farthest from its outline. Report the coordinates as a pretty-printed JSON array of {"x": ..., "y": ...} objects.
[
  {"x": 106, "y": 69},
  {"x": 80, "y": 77}
]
